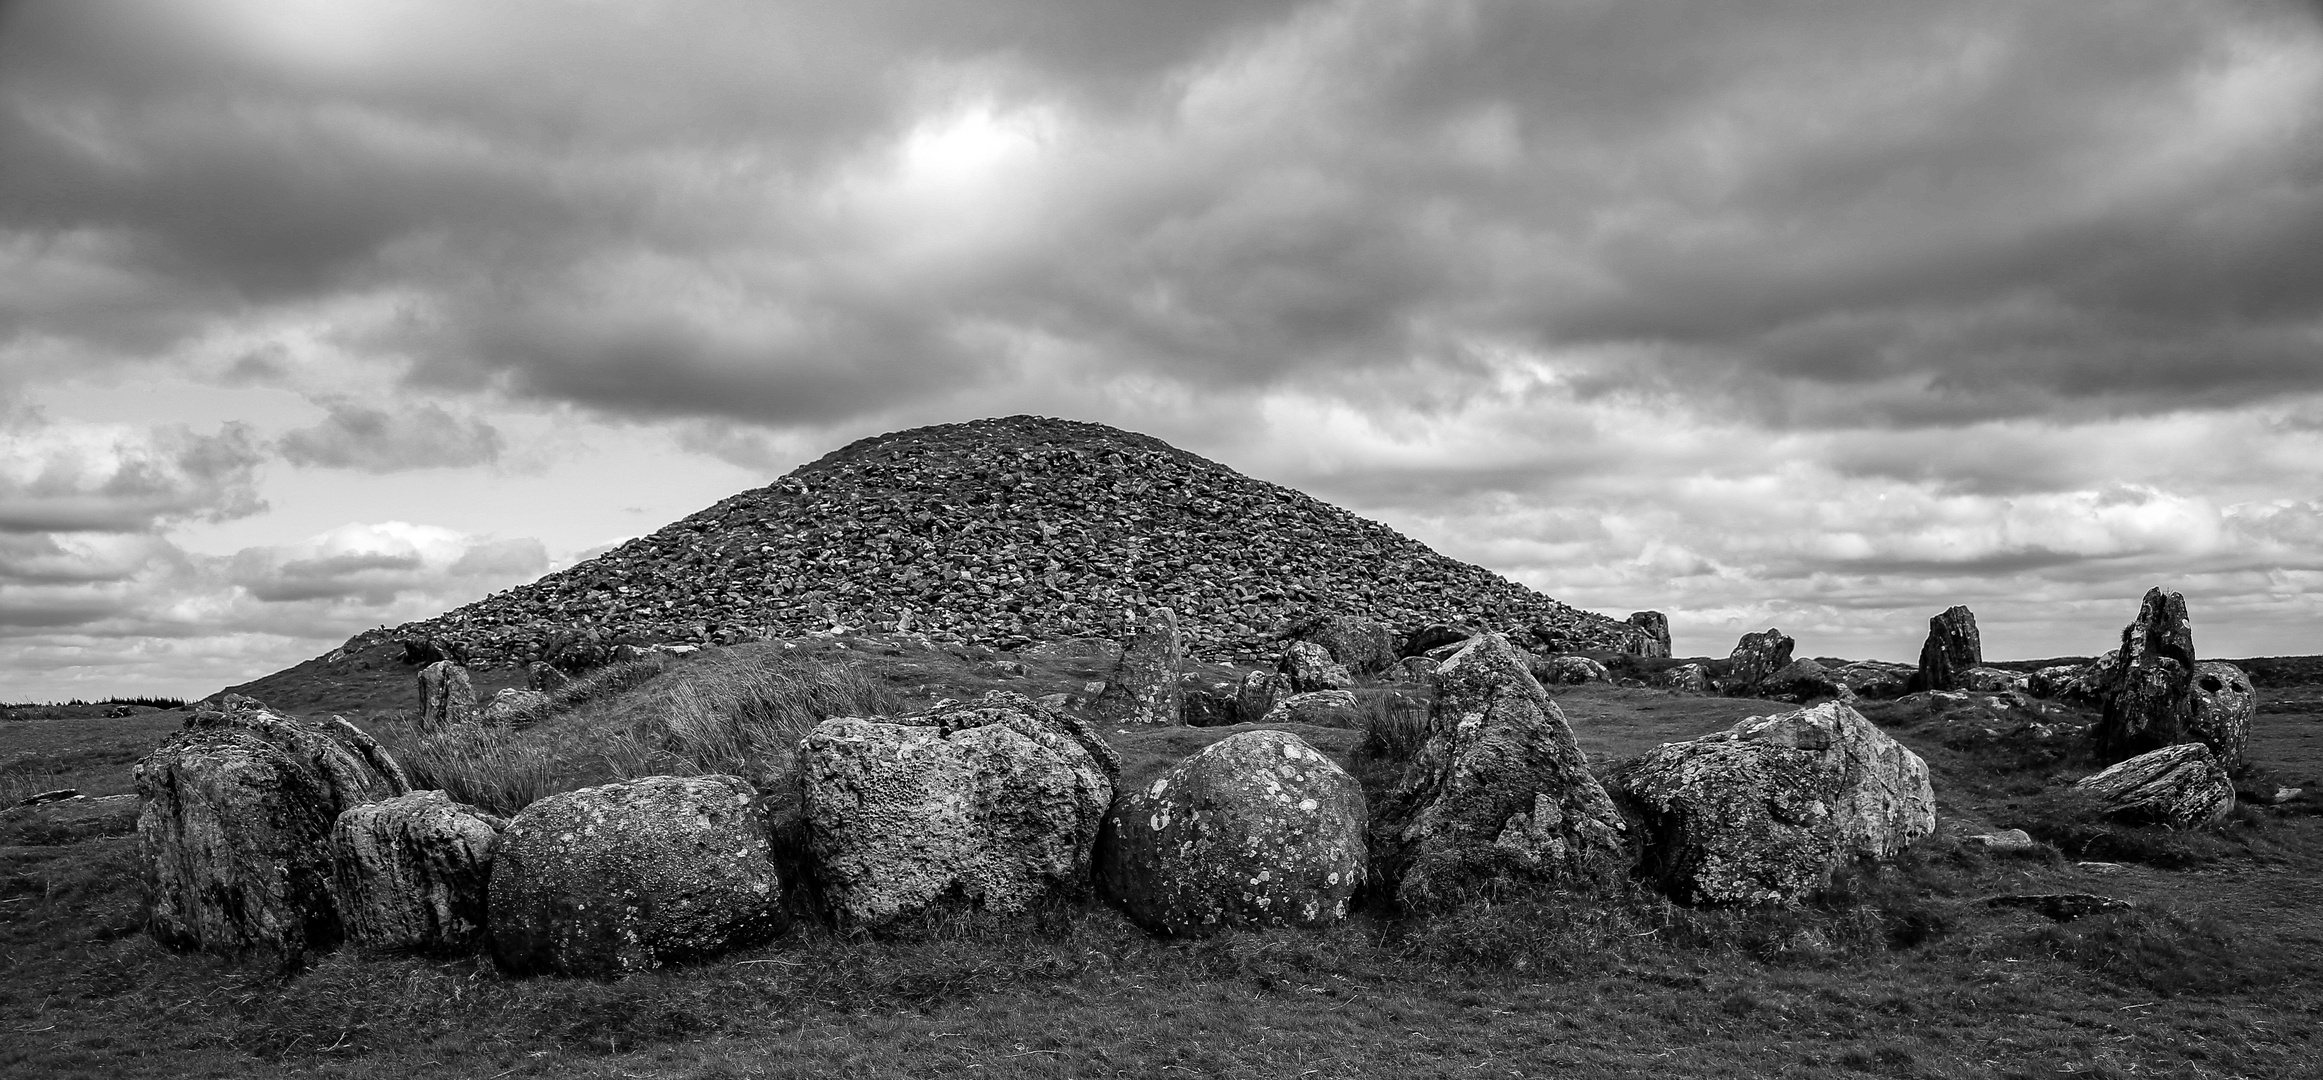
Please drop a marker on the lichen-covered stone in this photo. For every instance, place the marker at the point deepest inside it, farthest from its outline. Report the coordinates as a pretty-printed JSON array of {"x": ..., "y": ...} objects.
[
  {"x": 2180, "y": 786},
  {"x": 630, "y": 876},
  {"x": 1953, "y": 647},
  {"x": 1321, "y": 708},
  {"x": 1755, "y": 657},
  {"x": 2145, "y": 690},
  {"x": 1653, "y": 634},
  {"x": 234, "y": 825},
  {"x": 1258, "y": 694},
  {"x": 995, "y": 805},
  {"x": 1991, "y": 680},
  {"x": 446, "y": 696},
  {"x": 1362, "y": 646},
  {"x": 1500, "y": 795},
  {"x": 410, "y": 872},
  {"x": 1311, "y": 668},
  {"x": 1875, "y": 679},
  {"x": 2220, "y": 705},
  {"x": 1802, "y": 682},
  {"x": 1685, "y": 678},
  {"x": 1765, "y": 811},
  {"x": 1145, "y": 687},
  {"x": 1256, "y": 829},
  {"x": 516, "y": 708},
  {"x": 1570, "y": 671}
]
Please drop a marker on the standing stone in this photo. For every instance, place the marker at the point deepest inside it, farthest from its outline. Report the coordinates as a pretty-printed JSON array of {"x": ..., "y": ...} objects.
[
  {"x": 1145, "y": 687},
  {"x": 1311, "y": 668},
  {"x": 1952, "y": 648},
  {"x": 446, "y": 697},
  {"x": 630, "y": 876},
  {"x": 1256, "y": 829},
  {"x": 2180, "y": 786},
  {"x": 1361, "y": 646},
  {"x": 1755, "y": 657},
  {"x": 1653, "y": 634},
  {"x": 1500, "y": 794},
  {"x": 996, "y": 804},
  {"x": 234, "y": 826},
  {"x": 2220, "y": 705},
  {"x": 1764, "y": 812},
  {"x": 1258, "y": 694},
  {"x": 2146, "y": 696},
  {"x": 410, "y": 872}
]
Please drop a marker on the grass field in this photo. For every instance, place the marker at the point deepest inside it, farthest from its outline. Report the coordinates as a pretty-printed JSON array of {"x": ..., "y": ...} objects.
[{"x": 1902, "y": 972}]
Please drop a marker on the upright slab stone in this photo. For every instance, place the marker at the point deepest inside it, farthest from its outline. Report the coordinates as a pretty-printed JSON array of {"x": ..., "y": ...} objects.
[
  {"x": 234, "y": 826},
  {"x": 1145, "y": 687},
  {"x": 1755, "y": 657},
  {"x": 1256, "y": 829},
  {"x": 1952, "y": 648},
  {"x": 994, "y": 805},
  {"x": 1653, "y": 634},
  {"x": 2145, "y": 696},
  {"x": 1764, "y": 812},
  {"x": 1499, "y": 796},
  {"x": 410, "y": 872},
  {"x": 629, "y": 876},
  {"x": 446, "y": 696}
]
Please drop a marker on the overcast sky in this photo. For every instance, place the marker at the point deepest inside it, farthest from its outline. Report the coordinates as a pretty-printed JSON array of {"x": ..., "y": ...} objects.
[{"x": 322, "y": 314}]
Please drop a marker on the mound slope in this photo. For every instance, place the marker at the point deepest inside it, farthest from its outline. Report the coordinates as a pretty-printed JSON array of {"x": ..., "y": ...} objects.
[{"x": 1002, "y": 532}]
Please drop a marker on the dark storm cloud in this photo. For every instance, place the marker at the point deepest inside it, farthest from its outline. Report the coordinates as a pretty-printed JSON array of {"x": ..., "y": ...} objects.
[{"x": 420, "y": 436}]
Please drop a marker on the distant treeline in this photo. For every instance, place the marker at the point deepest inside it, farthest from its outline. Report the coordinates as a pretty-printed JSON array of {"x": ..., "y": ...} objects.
[{"x": 155, "y": 702}]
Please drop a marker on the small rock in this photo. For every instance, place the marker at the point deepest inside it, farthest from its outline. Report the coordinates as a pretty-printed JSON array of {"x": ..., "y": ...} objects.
[
  {"x": 2006, "y": 841},
  {"x": 1321, "y": 708},
  {"x": 58, "y": 795},
  {"x": 1570, "y": 671},
  {"x": 512, "y": 707},
  {"x": 1311, "y": 668},
  {"x": 2102, "y": 867}
]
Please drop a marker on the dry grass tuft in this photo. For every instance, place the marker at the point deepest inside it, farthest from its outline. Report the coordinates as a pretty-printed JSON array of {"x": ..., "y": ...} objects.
[{"x": 741, "y": 715}]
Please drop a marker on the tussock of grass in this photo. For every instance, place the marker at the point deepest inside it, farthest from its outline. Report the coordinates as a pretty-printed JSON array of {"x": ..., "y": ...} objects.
[
  {"x": 741, "y": 715},
  {"x": 611, "y": 680},
  {"x": 488, "y": 767},
  {"x": 1394, "y": 727}
]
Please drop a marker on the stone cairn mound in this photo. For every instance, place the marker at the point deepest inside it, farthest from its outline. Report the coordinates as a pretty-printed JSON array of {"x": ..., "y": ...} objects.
[{"x": 1005, "y": 532}]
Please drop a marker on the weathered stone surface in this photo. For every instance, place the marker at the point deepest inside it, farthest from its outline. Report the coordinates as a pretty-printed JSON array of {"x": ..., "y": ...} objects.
[
  {"x": 1653, "y": 634},
  {"x": 446, "y": 697},
  {"x": 512, "y": 707},
  {"x": 1755, "y": 657},
  {"x": 995, "y": 804},
  {"x": 2180, "y": 786},
  {"x": 1311, "y": 668},
  {"x": 1259, "y": 693},
  {"x": 1210, "y": 707},
  {"x": 2145, "y": 692},
  {"x": 1992, "y": 680},
  {"x": 1418, "y": 668},
  {"x": 1322, "y": 708},
  {"x": 1765, "y": 811},
  {"x": 234, "y": 825},
  {"x": 1256, "y": 829},
  {"x": 1876, "y": 679},
  {"x": 1569, "y": 671},
  {"x": 1145, "y": 688},
  {"x": 1687, "y": 678},
  {"x": 409, "y": 873},
  {"x": 1953, "y": 647},
  {"x": 2219, "y": 707},
  {"x": 1802, "y": 682},
  {"x": 1499, "y": 795},
  {"x": 1362, "y": 646},
  {"x": 2004, "y": 842},
  {"x": 630, "y": 876},
  {"x": 545, "y": 677}
]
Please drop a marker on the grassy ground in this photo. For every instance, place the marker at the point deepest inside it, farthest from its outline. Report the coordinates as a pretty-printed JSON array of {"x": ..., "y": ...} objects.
[{"x": 1903, "y": 972}]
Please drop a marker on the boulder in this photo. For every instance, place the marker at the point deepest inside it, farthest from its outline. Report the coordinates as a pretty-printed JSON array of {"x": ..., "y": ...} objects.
[
  {"x": 1321, "y": 708},
  {"x": 1427, "y": 639},
  {"x": 446, "y": 697},
  {"x": 2180, "y": 786},
  {"x": 1498, "y": 796},
  {"x": 995, "y": 804},
  {"x": 1311, "y": 668},
  {"x": 234, "y": 826},
  {"x": 515, "y": 708},
  {"x": 1802, "y": 682},
  {"x": 1991, "y": 680},
  {"x": 2220, "y": 705},
  {"x": 1570, "y": 671},
  {"x": 1256, "y": 829},
  {"x": 1258, "y": 694},
  {"x": 1951, "y": 649},
  {"x": 1876, "y": 679},
  {"x": 2145, "y": 694},
  {"x": 1653, "y": 634},
  {"x": 1755, "y": 657},
  {"x": 1686, "y": 678},
  {"x": 409, "y": 873},
  {"x": 630, "y": 876},
  {"x": 2074, "y": 683},
  {"x": 1144, "y": 688},
  {"x": 1362, "y": 646},
  {"x": 1765, "y": 811}
]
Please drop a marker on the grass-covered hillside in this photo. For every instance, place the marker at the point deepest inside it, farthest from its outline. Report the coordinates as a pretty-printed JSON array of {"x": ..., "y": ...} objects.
[{"x": 1902, "y": 971}]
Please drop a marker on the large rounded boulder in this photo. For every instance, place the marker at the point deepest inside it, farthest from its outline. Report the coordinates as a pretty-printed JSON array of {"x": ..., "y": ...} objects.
[
  {"x": 234, "y": 826},
  {"x": 1311, "y": 668},
  {"x": 1765, "y": 811},
  {"x": 410, "y": 872},
  {"x": 994, "y": 805},
  {"x": 1256, "y": 829},
  {"x": 2180, "y": 786},
  {"x": 1500, "y": 795},
  {"x": 630, "y": 876}
]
